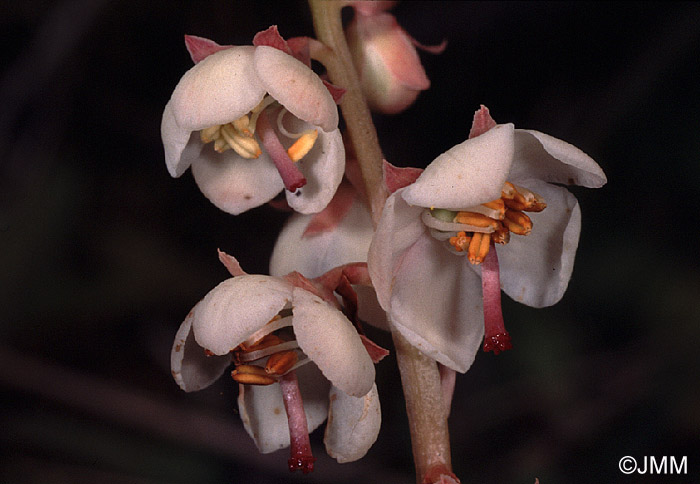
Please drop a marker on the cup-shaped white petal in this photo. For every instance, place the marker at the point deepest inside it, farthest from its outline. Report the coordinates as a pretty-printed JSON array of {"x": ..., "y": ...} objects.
[
  {"x": 233, "y": 183},
  {"x": 323, "y": 168},
  {"x": 331, "y": 341},
  {"x": 353, "y": 424},
  {"x": 468, "y": 174},
  {"x": 398, "y": 229},
  {"x": 192, "y": 369},
  {"x": 236, "y": 308},
  {"x": 296, "y": 87},
  {"x": 436, "y": 304},
  {"x": 535, "y": 269},
  {"x": 263, "y": 414},
  {"x": 538, "y": 155},
  {"x": 318, "y": 253},
  {"x": 219, "y": 89}
]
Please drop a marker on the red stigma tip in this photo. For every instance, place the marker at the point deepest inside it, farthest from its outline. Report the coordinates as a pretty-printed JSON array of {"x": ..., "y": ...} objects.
[
  {"x": 497, "y": 343},
  {"x": 303, "y": 462}
]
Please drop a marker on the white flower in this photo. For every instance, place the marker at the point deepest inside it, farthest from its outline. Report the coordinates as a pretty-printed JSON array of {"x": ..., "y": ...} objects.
[
  {"x": 252, "y": 121},
  {"x": 433, "y": 296},
  {"x": 270, "y": 328}
]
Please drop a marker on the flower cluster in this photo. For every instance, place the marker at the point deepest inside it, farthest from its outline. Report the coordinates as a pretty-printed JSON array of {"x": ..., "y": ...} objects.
[{"x": 487, "y": 215}]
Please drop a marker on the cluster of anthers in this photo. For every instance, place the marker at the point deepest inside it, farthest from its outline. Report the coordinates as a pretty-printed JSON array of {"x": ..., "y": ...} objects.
[
  {"x": 472, "y": 230},
  {"x": 239, "y": 135},
  {"x": 280, "y": 349}
]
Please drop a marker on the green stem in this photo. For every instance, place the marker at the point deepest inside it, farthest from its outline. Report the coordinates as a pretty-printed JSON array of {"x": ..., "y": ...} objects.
[{"x": 358, "y": 119}]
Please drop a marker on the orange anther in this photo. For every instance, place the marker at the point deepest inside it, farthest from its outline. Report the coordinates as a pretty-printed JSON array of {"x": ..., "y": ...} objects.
[
  {"x": 497, "y": 205},
  {"x": 501, "y": 235},
  {"x": 508, "y": 191},
  {"x": 264, "y": 342},
  {"x": 280, "y": 363},
  {"x": 517, "y": 222},
  {"x": 460, "y": 242},
  {"x": 515, "y": 205},
  {"x": 252, "y": 375},
  {"x": 475, "y": 219},
  {"x": 478, "y": 247},
  {"x": 303, "y": 145}
]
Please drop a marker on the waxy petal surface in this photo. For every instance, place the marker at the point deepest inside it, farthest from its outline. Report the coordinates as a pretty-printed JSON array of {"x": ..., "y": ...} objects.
[
  {"x": 538, "y": 155},
  {"x": 433, "y": 307},
  {"x": 192, "y": 369},
  {"x": 262, "y": 408},
  {"x": 353, "y": 424},
  {"x": 296, "y": 87},
  {"x": 470, "y": 173},
  {"x": 235, "y": 184},
  {"x": 236, "y": 308},
  {"x": 535, "y": 269},
  {"x": 332, "y": 342}
]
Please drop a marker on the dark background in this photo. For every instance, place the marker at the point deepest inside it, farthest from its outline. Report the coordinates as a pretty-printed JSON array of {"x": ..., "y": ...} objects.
[{"x": 102, "y": 254}]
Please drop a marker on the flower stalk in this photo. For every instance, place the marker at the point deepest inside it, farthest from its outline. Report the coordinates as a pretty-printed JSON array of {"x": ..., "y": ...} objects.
[
  {"x": 419, "y": 374},
  {"x": 358, "y": 119}
]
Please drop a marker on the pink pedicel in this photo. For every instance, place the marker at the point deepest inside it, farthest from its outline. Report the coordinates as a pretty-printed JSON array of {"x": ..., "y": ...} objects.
[
  {"x": 300, "y": 449},
  {"x": 496, "y": 338}
]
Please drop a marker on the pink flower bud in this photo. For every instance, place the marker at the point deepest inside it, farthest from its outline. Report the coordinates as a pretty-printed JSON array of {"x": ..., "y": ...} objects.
[{"x": 385, "y": 57}]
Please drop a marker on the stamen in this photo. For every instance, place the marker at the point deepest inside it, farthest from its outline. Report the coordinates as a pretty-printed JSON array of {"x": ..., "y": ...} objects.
[
  {"x": 242, "y": 125},
  {"x": 291, "y": 176},
  {"x": 210, "y": 134},
  {"x": 272, "y": 325},
  {"x": 508, "y": 191},
  {"x": 245, "y": 146},
  {"x": 252, "y": 375},
  {"x": 300, "y": 449},
  {"x": 303, "y": 145},
  {"x": 476, "y": 219},
  {"x": 501, "y": 235},
  {"x": 460, "y": 242},
  {"x": 478, "y": 247},
  {"x": 256, "y": 355},
  {"x": 280, "y": 363},
  {"x": 251, "y": 344},
  {"x": 517, "y": 222},
  {"x": 496, "y": 337}
]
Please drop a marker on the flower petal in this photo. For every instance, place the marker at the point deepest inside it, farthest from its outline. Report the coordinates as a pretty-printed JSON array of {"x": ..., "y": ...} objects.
[
  {"x": 398, "y": 229},
  {"x": 323, "y": 169},
  {"x": 179, "y": 151},
  {"x": 296, "y": 87},
  {"x": 538, "y": 155},
  {"x": 316, "y": 254},
  {"x": 233, "y": 183},
  {"x": 262, "y": 409},
  {"x": 191, "y": 367},
  {"x": 535, "y": 269},
  {"x": 353, "y": 424},
  {"x": 237, "y": 308},
  {"x": 436, "y": 304},
  {"x": 331, "y": 341},
  {"x": 470, "y": 173},
  {"x": 219, "y": 89}
]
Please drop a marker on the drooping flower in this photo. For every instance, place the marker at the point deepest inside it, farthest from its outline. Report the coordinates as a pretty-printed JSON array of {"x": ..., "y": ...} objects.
[
  {"x": 252, "y": 121},
  {"x": 274, "y": 330},
  {"x": 391, "y": 73},
  {"x": 340, "y": 234},
  {"x": 496, "y": 187}
]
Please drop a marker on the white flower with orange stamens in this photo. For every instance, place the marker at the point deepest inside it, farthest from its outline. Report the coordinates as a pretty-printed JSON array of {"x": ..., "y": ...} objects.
[
  {"x": 252, "y": 121},
  {"x": 274, "y": 330},
  {"x": 494, "y": 187}
]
